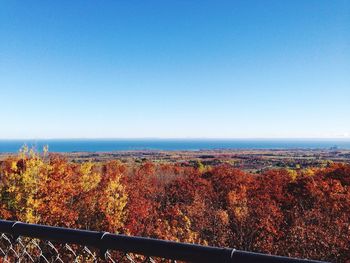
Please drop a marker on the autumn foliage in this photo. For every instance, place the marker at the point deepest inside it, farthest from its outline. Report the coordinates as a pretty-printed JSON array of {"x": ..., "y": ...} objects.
[{"x": 299, "y": 213}]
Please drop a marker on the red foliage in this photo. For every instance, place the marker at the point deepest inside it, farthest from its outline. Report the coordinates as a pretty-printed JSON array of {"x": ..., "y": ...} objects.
[{"x": 295, "y": 213}]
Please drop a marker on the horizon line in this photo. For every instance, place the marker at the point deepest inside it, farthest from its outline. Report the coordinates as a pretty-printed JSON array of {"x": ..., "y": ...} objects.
[{"x": 176, "y": 138}]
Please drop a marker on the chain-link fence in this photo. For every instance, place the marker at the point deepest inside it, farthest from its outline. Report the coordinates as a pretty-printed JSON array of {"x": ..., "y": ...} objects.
[
  {"x": 24, "y": 249},
  {"x": 20, "y": 242}
]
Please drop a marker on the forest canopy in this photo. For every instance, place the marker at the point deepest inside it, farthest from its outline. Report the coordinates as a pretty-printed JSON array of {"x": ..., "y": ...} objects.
[{"x": 298, "y": 213}]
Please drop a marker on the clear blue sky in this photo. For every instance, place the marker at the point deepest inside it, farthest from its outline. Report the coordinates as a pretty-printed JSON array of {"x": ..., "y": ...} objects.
[{"x": 184, "y": 68}]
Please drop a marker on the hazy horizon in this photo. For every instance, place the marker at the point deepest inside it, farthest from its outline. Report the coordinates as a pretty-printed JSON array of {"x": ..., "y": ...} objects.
[{"x": 181, "y": 138}]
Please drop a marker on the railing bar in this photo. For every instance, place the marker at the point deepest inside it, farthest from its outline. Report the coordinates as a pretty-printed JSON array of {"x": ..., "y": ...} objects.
[{"x": 139, "y": 245}]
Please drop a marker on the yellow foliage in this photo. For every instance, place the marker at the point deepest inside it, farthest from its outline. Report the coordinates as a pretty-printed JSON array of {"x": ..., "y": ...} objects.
[
  {"x": 113, "y": 203},
  {"x": 24, "y": 184},
  {"x": 14, "y": 166},
  {"x": 88, "y": 180},
  {"x": 293, "y": 174}
]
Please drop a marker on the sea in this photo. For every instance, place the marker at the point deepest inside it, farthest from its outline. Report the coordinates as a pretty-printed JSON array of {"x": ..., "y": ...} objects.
[{"x": 110, "y": 145}]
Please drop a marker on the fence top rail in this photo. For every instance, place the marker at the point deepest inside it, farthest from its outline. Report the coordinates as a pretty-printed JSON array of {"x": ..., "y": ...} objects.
[{"x": 139, "y": 245}]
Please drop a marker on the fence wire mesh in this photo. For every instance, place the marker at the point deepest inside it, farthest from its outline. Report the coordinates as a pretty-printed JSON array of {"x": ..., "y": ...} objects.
[{"x": 24, "y": 249}]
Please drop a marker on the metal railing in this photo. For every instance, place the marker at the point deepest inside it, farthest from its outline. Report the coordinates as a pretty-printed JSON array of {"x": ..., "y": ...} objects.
[{"x": 22, "y": 242}]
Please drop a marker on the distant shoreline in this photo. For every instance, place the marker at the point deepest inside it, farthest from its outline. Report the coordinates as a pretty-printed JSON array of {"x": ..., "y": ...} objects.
[
  {"x": 120, "y": 145},
  {"x": 245, "y": 159}
]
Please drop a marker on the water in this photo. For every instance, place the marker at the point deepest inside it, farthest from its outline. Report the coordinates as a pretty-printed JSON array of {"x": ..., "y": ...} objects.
[{"x": 98, "y": 145}]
